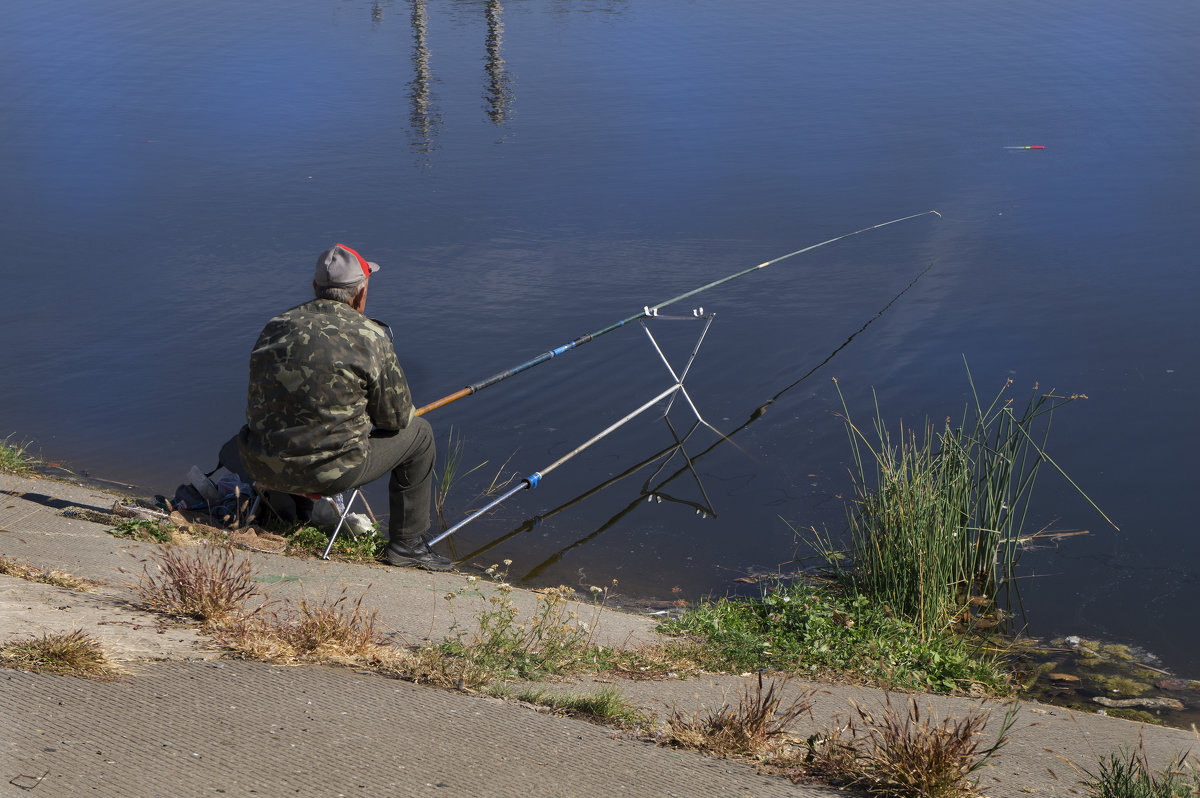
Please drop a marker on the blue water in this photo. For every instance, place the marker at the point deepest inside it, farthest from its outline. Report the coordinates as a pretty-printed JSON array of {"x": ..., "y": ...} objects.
[{"x": 527, "y": 172}]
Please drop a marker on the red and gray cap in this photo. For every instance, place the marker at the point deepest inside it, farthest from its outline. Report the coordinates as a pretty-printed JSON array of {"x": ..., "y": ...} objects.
[{"x": 340, "y": 267}]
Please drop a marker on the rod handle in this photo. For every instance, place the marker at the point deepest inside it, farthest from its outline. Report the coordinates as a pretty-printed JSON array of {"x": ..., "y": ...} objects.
[{"x": 445, "y": 400}]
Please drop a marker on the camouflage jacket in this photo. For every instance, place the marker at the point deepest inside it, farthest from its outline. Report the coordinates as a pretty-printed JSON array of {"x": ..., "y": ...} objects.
[{"x": 322, "y": 375}]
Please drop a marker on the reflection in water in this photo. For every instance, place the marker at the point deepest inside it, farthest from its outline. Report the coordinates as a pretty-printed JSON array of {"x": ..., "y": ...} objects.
[
  {"x": 498, "y": 92},
  {"x": 651, "y": 492},
  {"x": 424, "y": 118}
]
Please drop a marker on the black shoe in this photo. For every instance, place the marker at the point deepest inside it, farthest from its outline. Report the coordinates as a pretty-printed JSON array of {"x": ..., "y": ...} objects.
[{"x": 417, "y": 555}]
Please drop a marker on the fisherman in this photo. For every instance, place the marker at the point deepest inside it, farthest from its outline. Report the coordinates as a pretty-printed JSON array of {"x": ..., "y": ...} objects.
[{"x": 328, "y": 408}]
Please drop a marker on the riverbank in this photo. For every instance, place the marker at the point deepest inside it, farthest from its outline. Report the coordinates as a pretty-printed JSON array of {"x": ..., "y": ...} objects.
[{"x": 184, "y": 712}]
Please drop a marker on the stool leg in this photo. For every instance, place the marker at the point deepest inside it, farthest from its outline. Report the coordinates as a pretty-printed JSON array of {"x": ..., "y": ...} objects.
[
  {"x": 338, "y": 528},
  {"x": 343, "y": 514}
]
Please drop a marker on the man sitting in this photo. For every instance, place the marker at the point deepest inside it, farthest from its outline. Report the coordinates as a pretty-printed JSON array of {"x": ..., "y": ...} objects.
[{"x": 328, "y": 408}]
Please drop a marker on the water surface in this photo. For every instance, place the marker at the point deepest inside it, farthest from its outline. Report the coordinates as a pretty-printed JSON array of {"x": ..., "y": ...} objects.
[{"x": 527, "y": 172}]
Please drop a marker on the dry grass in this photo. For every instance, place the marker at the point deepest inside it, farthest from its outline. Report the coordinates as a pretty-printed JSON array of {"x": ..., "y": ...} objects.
[
  {"x": 903, "y": 754},
  {"x": 63, "y": 653},
  {"x": 208, "y": 583},
  {"x": 752, "y": 729},
  {"x": 338, "y": 631},
  {"x": 11, "y": 567}
]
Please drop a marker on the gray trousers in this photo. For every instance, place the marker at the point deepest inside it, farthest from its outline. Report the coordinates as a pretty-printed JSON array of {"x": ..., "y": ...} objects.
[{"x": 408, "y": 454}]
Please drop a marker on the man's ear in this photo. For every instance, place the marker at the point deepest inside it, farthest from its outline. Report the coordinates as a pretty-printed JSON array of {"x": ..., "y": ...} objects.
[{"x": 360, "y": 298}]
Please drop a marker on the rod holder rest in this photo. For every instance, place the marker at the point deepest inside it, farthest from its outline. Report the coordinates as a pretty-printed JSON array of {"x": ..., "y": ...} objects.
[
  {"x": 698, "y": 312},
  {"x": 649, "y": 311}
]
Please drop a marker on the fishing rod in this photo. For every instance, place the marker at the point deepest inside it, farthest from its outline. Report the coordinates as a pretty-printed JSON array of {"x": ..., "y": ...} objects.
[
  {"x": 669, "y": 451},
  {"x": 531, "y": 523},
  {"x": 647, "y": 311},
  {"x": 535, "y": 478}
]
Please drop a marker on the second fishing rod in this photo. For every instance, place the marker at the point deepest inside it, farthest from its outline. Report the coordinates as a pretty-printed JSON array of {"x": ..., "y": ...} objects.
[{"x": 647, "y": 311}]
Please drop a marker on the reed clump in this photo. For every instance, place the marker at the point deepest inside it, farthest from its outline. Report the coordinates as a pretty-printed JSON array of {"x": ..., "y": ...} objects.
[
  {"x": 936, "y": 521},
  {"x": 451, "y": 473}
]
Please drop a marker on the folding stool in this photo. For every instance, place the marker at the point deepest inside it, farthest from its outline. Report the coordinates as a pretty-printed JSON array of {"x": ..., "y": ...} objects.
[{"x": 340, "y": 507}]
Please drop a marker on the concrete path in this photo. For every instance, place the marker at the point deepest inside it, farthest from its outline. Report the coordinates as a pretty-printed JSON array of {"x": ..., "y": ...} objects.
[{"x": 186, "y": 720}]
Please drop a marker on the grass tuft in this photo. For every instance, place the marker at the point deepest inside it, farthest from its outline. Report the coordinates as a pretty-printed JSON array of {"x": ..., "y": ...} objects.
[
  {"x": 606, "y": 706},
  {"x": 904, "y": 753},
  {"x": 207, "y": 583},
  {"x": 1127, "y": 774},
  {"x": 499, "y": 645},
  {"x": 16, "y": 459},
  {"x": 338, "y": 631},
  {"x": 751, "y": 729},
  {"x": 63, "y": 653},
  {"x": 451, "y": 473},
  {"x": 11, "y": 567}
]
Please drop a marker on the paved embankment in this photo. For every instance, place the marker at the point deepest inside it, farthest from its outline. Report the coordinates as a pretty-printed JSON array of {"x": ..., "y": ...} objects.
[{"x": 186, "y": 721}]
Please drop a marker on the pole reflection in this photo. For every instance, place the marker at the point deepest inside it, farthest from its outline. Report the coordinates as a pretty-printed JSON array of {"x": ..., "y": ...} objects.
[
  {"x": 498, "y": 90},
  {"x": 424, "y": 117}
]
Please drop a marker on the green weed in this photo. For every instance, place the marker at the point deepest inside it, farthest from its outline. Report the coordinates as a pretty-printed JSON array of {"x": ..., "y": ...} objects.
[
  {"x": 605, "y": 706},
  {"x": 811, "y": 630},
  {"x": 364, "y": 547},
  {"x": 1128, "y": 774},
  {"x": 16, "y": 459},
  {"x": 144, "y": 529},
  {"x": 451, "y": 473},
  {"x": 499, "y": 645}
]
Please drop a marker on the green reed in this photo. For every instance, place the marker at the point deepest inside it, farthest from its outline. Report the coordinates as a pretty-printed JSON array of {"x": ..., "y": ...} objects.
[{"x": 937, "y": 516}]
